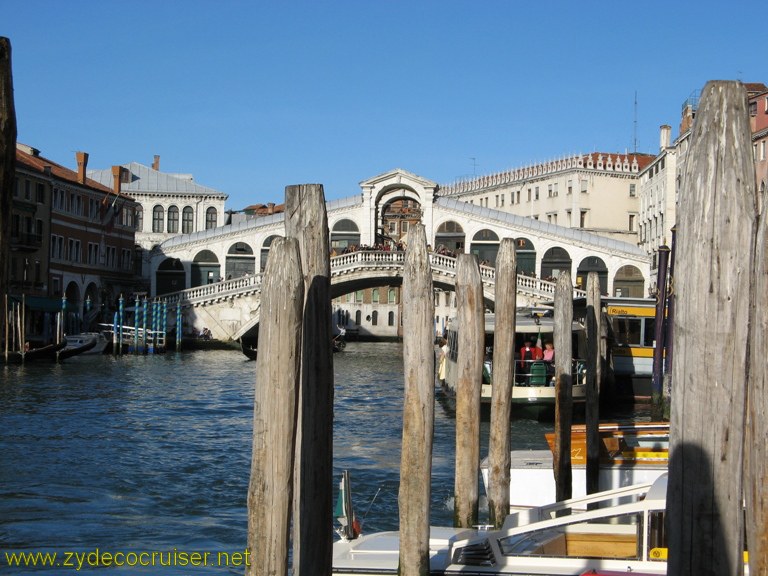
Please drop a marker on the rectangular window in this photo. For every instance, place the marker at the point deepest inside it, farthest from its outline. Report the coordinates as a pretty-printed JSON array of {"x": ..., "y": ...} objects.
[
  {"x": 631, "y": 222},
  {"x": 632, "y": 190},
  {"x": 529, "y": 194},
  {"x": 549, "y": 191},
  {"x": 27, "y": 190},
  {"x": 762, "y": 150},
  {"x": 40, "y": 196},
  {"x": 583, "y": 219},
  {"x": 537, "y": 193},
  {"x": 502, "y": 200},
  {"x": 584, "y": 186},
  {"x": 404, "y": 227}
]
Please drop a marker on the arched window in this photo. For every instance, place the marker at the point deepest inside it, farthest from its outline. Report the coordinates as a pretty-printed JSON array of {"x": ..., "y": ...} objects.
[
  {"x": 173, "y": 220},
  {"x": 358, "y": 317},
  {"x": 375, "y": 318},
  {"x": 375, "y": 296},
  {"x": 187, "y": 220},
  {"x": 210, "y": 218},
  {"x": 139, "y": 219},
  {"x": 391, "y": 319},
  {"x": 158, "y": 215},
  {"x": 391, "y": 297}
]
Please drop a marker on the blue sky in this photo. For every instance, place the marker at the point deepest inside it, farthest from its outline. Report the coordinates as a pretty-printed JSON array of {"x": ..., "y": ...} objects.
[{"x": 250, "y": 97}]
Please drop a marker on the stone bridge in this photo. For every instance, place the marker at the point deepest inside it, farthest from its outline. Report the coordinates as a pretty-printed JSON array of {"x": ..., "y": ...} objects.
[{"x": 230, "y": 308}]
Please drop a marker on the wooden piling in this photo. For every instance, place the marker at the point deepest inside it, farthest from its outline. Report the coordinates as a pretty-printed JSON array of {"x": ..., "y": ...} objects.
[
  {"x": 275, "y": 409},
  {"x": 563, "y": 386},
  {"x": 503, "y": 381},
  {"x": 7, "y": 157},
  {"x": 714, "y": 259},
  {"x": 592, "y": 408},
  {"x": 469, "y": 365},
  {"x": 419, "y": 406},
  {"x": 307, "y": 221},
  {"x": 756, "y": 441}
]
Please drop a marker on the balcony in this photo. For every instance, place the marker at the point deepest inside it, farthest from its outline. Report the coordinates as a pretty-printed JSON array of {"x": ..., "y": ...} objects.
[{"x": 26, "y": 241}]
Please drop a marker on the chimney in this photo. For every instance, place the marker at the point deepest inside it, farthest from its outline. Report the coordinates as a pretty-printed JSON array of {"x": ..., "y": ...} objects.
[
  {"x": 82, "y": 164},
  {"x": 664, "y": 138},
  {"x": 270, "y": 207},
  {"x": 116, "y": 179},
  {"x": 156, "y": 163}
]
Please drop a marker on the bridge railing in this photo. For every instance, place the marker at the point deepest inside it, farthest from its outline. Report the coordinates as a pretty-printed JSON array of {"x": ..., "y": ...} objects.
[{"x": 440, "y": 263}]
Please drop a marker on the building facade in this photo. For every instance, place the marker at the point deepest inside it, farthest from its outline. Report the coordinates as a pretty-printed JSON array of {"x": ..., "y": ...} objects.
[
  {"x": 595, "y": 192},
  {"x": 73, "y": 250},
  {"x": 168, "y": 205}
]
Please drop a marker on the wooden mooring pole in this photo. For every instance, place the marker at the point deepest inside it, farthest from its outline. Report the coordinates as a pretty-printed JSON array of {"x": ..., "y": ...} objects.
[
  {"x": 503, "y": 380},
  {"x": 307, "y": 221},
  {"x": 714, "y": 310},
  {"x": 563, "y": 386},
  {"x": 592, "y": 409},
  {"x": 7, "y": 158},
  {"x": 471, "y": 341},
  {"x": 419, "y": 406},
  {"x": 275, "y": 407}
]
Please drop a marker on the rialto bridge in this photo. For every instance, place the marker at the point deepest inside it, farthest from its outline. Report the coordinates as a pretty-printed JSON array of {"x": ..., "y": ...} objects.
[{"x": 216, "y": 274}]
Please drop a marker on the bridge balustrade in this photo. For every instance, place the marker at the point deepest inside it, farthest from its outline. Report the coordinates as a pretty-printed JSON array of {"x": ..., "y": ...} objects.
[{"x": 362, "y": 259}]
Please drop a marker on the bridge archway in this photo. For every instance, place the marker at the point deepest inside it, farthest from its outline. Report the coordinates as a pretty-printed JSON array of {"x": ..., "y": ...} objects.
[
  {"x": 345, "y": 233},
  {"x": 240, "y": 260},
  {"x": 526, "y": 256},
  {"x": 450, "y": 237},
  {"x": 629, "y": 282},
  {"x": 265, "y": 251},
  {"x": 170, "y": 276},
  {"x": 555, "y": 261},
  {"x": 398, "y": 215},
  {"x": 485, "y": 243},
  {"x": 592, "y": 264},
  {"x": 205, "y": 268}
]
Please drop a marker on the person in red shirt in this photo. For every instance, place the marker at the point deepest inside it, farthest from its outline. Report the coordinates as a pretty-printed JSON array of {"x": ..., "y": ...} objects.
[{"x": 528, "y": 354}]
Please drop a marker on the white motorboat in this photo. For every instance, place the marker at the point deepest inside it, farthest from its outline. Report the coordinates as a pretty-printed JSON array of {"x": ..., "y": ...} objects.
[
  {"x": 634, "y": 453},
  {"x": 76, "y": 341},
  {"x": 617, "y": 530}
]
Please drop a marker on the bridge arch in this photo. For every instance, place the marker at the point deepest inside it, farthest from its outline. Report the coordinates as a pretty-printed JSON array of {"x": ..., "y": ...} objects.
[
  {"x": 629, "y": 282},
  {"x": 555, "y": 261},
  {"x": 592, "y": 264},
  {"x": 344, "y": 233},
  {"x": 240, "y": 260},
  {"x": 170, "y": 276},
  {"x": 450, "y": 237},
  {"x": 265, "y": 251},
  {"x": 526, "y": 256},
  {"x": 485, "y": 243},
  {"x": 206, "y": 268}
]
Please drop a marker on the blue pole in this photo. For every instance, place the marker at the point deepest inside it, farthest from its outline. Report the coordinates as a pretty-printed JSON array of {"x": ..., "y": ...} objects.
[
  {"x": 144, "y": 327},
  {"x": 121, "y": 308},
  {"x": 165, "y": 323},
  {"x": 136, "y": 326},
  {"x": 178, "y": 326}
]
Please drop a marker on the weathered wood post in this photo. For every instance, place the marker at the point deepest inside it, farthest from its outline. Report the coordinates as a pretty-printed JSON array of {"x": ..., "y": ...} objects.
[
  {"x": 592, "y": 408},
  {"x": 275, "y": 407},
  {"x": 563, "y": 385},
  {"x": 659, "y": 337},
  {"x": 7, "y": 158},
  {"x": 756, "y": 456},
  {"x": 715, "y": 251},
  {"x": 307, "y": 221},
  {"x": 419, "y": 406},
  {"x": 469, "y": 365},
  {"x": 503, "y": 381}
]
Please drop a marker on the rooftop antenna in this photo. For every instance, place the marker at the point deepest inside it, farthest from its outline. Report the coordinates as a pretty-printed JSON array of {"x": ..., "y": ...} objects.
[{"x": 634, "y": 135}]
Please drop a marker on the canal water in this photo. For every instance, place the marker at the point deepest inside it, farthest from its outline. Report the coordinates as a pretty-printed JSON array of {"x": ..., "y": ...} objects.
[{"x": 152, "y": 453}]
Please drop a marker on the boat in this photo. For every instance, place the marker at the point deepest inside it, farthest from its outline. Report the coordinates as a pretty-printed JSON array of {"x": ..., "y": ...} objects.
[
  {"x": 250, "y": 351},
  {"x": 536, "y": 385},
  {"x": 632, "y": 453},
  {"x": 97, "y": 341},
  {"x": 620, "y": 530},
  {"x": 44, "y": 353}
]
